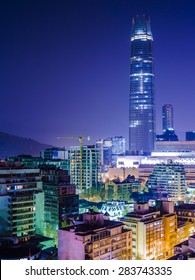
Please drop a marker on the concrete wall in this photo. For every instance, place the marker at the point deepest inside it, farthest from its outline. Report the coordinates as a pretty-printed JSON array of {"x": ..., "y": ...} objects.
[{"x": 70, "y": 246}]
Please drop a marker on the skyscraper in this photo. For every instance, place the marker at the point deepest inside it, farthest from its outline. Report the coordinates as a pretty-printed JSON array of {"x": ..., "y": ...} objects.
[
  {"x": 141, "y": 98},
  {"x": 167, "y": 116},
  {"x": 167, "y": 124}
]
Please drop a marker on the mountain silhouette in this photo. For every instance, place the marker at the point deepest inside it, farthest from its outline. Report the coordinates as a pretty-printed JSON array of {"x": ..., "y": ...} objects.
[{"x": 11, "y": 145}]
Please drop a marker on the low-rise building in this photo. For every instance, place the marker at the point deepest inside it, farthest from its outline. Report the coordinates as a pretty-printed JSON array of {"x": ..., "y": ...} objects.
[
  {"x": 186, "y": 212},
  {"x": 154, "y": 230},
  {"x": 185, "y": 250},
  {"x": 147, "y": 227},
  {"x": 95, "y": 239},
  {"x": 117, "y": 190}
]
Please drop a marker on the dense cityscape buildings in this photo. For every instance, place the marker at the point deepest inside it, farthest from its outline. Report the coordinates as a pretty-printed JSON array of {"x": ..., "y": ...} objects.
[
  {"x": 142, "y": 128},
  {"x": 101, "y": 202}
]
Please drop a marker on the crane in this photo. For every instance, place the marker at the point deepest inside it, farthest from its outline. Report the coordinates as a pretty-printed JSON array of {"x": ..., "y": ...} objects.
[{"x": 80, "y": 138}]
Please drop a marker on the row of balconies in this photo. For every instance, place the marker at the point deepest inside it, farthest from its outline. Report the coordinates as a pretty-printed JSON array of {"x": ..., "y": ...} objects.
[
  {"x": 22, "y": 213},
  {"x": 15, "y": 219},
  {"x": 108, "y": 234},
  {"x": 109, "y": 242},
  {"x": 22, "y": 206},
  {"x": 18, "y": 179},
  {"x": 105, "y": 250},
  {"x": 20, "y": 201},
  {"x": 108, "y": 239},
  {"x": 23, "y": 225},
  {"x": 189, "y": 214}
]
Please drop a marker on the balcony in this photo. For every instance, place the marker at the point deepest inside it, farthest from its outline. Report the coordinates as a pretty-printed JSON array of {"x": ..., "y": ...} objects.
[
  {"x": 15, "y": 220},
  {"x": 23, "y": 225},
  {"x": 22, "y": 201},
  {"x": 22, "y": 213},
  {"x": 18, "y": 207}
]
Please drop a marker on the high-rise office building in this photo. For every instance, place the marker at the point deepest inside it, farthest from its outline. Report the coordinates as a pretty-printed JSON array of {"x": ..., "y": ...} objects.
[
  {"x": 167, "y": 117},
  {"x": 141, "y": 98}
]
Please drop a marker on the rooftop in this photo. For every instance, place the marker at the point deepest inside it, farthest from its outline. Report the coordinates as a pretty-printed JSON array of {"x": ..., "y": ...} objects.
[
  {"x": 14, "y": 252},
  {"x": 85, "y": 229},
  {"x": 185, "y": 206}
]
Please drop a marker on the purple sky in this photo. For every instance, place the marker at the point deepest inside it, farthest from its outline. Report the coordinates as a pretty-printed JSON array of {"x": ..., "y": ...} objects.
[{"x": 65, "y": 66}]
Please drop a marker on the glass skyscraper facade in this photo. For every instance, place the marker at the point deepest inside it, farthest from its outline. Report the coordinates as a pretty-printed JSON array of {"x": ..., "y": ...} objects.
[{"x": 141, "y": 98}]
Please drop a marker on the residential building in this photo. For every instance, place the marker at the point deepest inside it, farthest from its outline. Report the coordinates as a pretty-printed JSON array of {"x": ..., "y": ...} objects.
[
  {"x": 21, "y": 201},
  {"x": 122, "y": 190},
  {"x": 185, "y": 250},
  {"x": 142, "y": 128},
  {"x": 95, "y": 239},
  {"x": 147, "y": 232},
  {"x": 85, "y": 169},
  {"x": 38, "y": 162},
  {"x": 61, "y": 200},
  {"x": 186, "y": 212},
  {"x": 153, "y": 230},
  {"x": 170, "y": 179},
  {"x": 170, "y": 233},
  {"x": 184, "y": 230}
]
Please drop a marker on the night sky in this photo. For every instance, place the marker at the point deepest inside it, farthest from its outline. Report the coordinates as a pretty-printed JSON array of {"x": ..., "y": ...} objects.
[{"x": 64, "y": 66}]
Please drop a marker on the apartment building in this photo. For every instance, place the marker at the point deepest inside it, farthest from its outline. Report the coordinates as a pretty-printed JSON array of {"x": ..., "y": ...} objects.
[
  {"x": 95, "y": 239},
  {"x": 153, "y": 230},
  {"x": 21, "y": 201}
]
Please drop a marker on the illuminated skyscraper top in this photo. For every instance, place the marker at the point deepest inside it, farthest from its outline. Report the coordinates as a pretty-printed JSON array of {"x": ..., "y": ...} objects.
[{"x": 141, "y": 98}]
